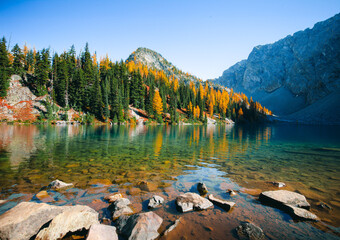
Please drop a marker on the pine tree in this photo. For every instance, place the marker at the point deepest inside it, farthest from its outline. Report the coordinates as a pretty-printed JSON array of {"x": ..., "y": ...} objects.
[
  {"x": 4, "y": 68},
  {"x": 18, "y": 62}
]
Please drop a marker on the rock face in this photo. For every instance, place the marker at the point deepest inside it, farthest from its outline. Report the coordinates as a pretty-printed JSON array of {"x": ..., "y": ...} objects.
[
  {"x": 143, "y": 226},
  {"x": 155, "y": 201},
  {"x": 221, "y": 203},
  {"x": 24, "y": 220},
  {"x": 102, "y": 232},
  {"x": 71, "y": 220},
  {"x": 121, "y": 207},
  {"x": 249, "y": 231},
  {"x": 155, "y": 60},
  {"x": 284, "y": 197},
  {"x": 20, "y": 103},
  {"x": 57, "y": 184},
  {"x": 201, "y": 188},
  {"x": 192, "y": 201},
  {"x": 302, "y": 69}
]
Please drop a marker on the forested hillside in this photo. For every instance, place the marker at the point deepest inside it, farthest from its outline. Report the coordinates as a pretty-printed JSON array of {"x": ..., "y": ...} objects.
[{"x": 97, "y": 87}]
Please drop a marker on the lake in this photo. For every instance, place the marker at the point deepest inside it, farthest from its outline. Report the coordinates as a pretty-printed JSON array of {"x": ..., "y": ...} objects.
[{"x": 105, "y": 159}]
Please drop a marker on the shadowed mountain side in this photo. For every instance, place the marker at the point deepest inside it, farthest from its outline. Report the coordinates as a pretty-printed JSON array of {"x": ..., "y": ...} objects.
[{"x": 297, "y": 75}]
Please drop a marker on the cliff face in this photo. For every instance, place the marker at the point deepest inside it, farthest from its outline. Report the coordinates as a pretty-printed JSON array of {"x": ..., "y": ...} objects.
[{"x": 293, "y": 73}]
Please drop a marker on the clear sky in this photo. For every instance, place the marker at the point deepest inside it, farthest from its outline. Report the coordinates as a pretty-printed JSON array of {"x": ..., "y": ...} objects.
[{"x": 200, "y": 37}]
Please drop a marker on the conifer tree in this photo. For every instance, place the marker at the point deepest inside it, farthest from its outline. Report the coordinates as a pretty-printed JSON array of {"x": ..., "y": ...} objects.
[
  {"x": 4, "y": 68},
  {"x": 18, "y": 62},
  {"x": 157, "y": 104}
]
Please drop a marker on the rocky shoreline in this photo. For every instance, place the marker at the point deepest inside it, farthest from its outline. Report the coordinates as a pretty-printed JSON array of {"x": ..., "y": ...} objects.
[{"x": 31, "y": 220}]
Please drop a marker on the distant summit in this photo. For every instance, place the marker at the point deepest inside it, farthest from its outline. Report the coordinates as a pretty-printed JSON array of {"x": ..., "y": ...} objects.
[
  {"x": 297, "y": 77},
  {"x": 156, "y": 61}
]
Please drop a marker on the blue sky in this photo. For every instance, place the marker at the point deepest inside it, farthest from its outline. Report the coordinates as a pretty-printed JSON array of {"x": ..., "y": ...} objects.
[{"x": 200, "y": 37}]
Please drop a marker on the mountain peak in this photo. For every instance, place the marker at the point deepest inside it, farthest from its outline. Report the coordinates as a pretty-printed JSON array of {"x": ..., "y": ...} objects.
[{"x": 155, "y": 60}]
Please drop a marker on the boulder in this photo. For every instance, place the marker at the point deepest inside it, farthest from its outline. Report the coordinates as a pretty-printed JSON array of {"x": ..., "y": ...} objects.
[
  {"x": 75, "y": 218},
  {"x": 280, "y": 198},
  {"x": 57, "y": 184},
  {"x": 202, "y": 189},
  {"x": 120, "y": 207},
  {"x": 143, "y": 226},
  {"x": 192, "y": 201},
  {"x": 249, "y": 231},
  {"x": 278, "y": 184},
  {"x": 3, "y": 202},
  {"x": 221, "y": 203},
  {"x": 113, "y": 197},
  {"x": 155, "y": 201},
  {"x": 25, "y": 219},
  {"x": 102, "y": 232},
  {"x": 301, "y": 213}
]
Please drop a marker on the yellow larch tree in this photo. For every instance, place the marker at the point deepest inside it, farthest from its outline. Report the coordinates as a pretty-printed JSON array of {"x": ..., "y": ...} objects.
[{"x": 157, "y": 103}]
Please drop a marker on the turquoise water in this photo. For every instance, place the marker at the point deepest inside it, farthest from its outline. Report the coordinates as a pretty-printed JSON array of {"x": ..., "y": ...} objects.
[{"x": 103, "y": 159}]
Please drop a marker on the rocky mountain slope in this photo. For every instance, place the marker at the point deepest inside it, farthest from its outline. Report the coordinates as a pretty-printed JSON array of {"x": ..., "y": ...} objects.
[
  {"x": 20, "y": 103},
  {"x": 297, "y": 77},
  {"x": 156, "y": 61}
]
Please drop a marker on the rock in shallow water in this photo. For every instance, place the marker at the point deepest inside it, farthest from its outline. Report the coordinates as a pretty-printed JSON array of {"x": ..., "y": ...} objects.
[
  {"x": 301, "y": 213},
  {"x": 57, "y": 184},
  {"x": 221, "y": 203},
  {"x": 280, "y": 198},
  {"x": 113, "y": 197},
  {"x": 278, "y": 184},
  {"x": 249, "y": 231},
  {"x": 202, "y": 188},
  {"x": 121, "y": 208},
  {"x": 155, "y": 201},
  {"x": 102, "y": 232},
  {"x": 73, "y": 219},
  {"x": 25, "y": 219},
  {"x": 192, "y": 201},
  {"x": 143, "y": 226}
]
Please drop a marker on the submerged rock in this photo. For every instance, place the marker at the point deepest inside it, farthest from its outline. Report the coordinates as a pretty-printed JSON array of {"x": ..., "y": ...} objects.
[
  {"x": 278, "y": 184},
  {"x": 140, "y": 226},
  {"x": 57, "y": 184},
  {"x": 202, "y": 188},
  {"x": 249, "y": 231},
  {"x": 147, "y": 186},
  {"x": 25, "y": 219},
  {"x": 113, "y": 197},
  {"x": 172, "y": 227},
  {"x": 192, "y": 201},
  {"x": 42, "y": 194},
  {"x": 75, "y": 218},
  {"x": 324, "y": 206},
  {"x": 221, "y": 203},
  {"x": 121, "y": 208},
  {"x": 155, "y": 201},
  {"x": 280, "y": 198},
  {"x": 301, "y": 213},
  {"x": 231, "y": 192},
  {"x": 102, "y": 232}
]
